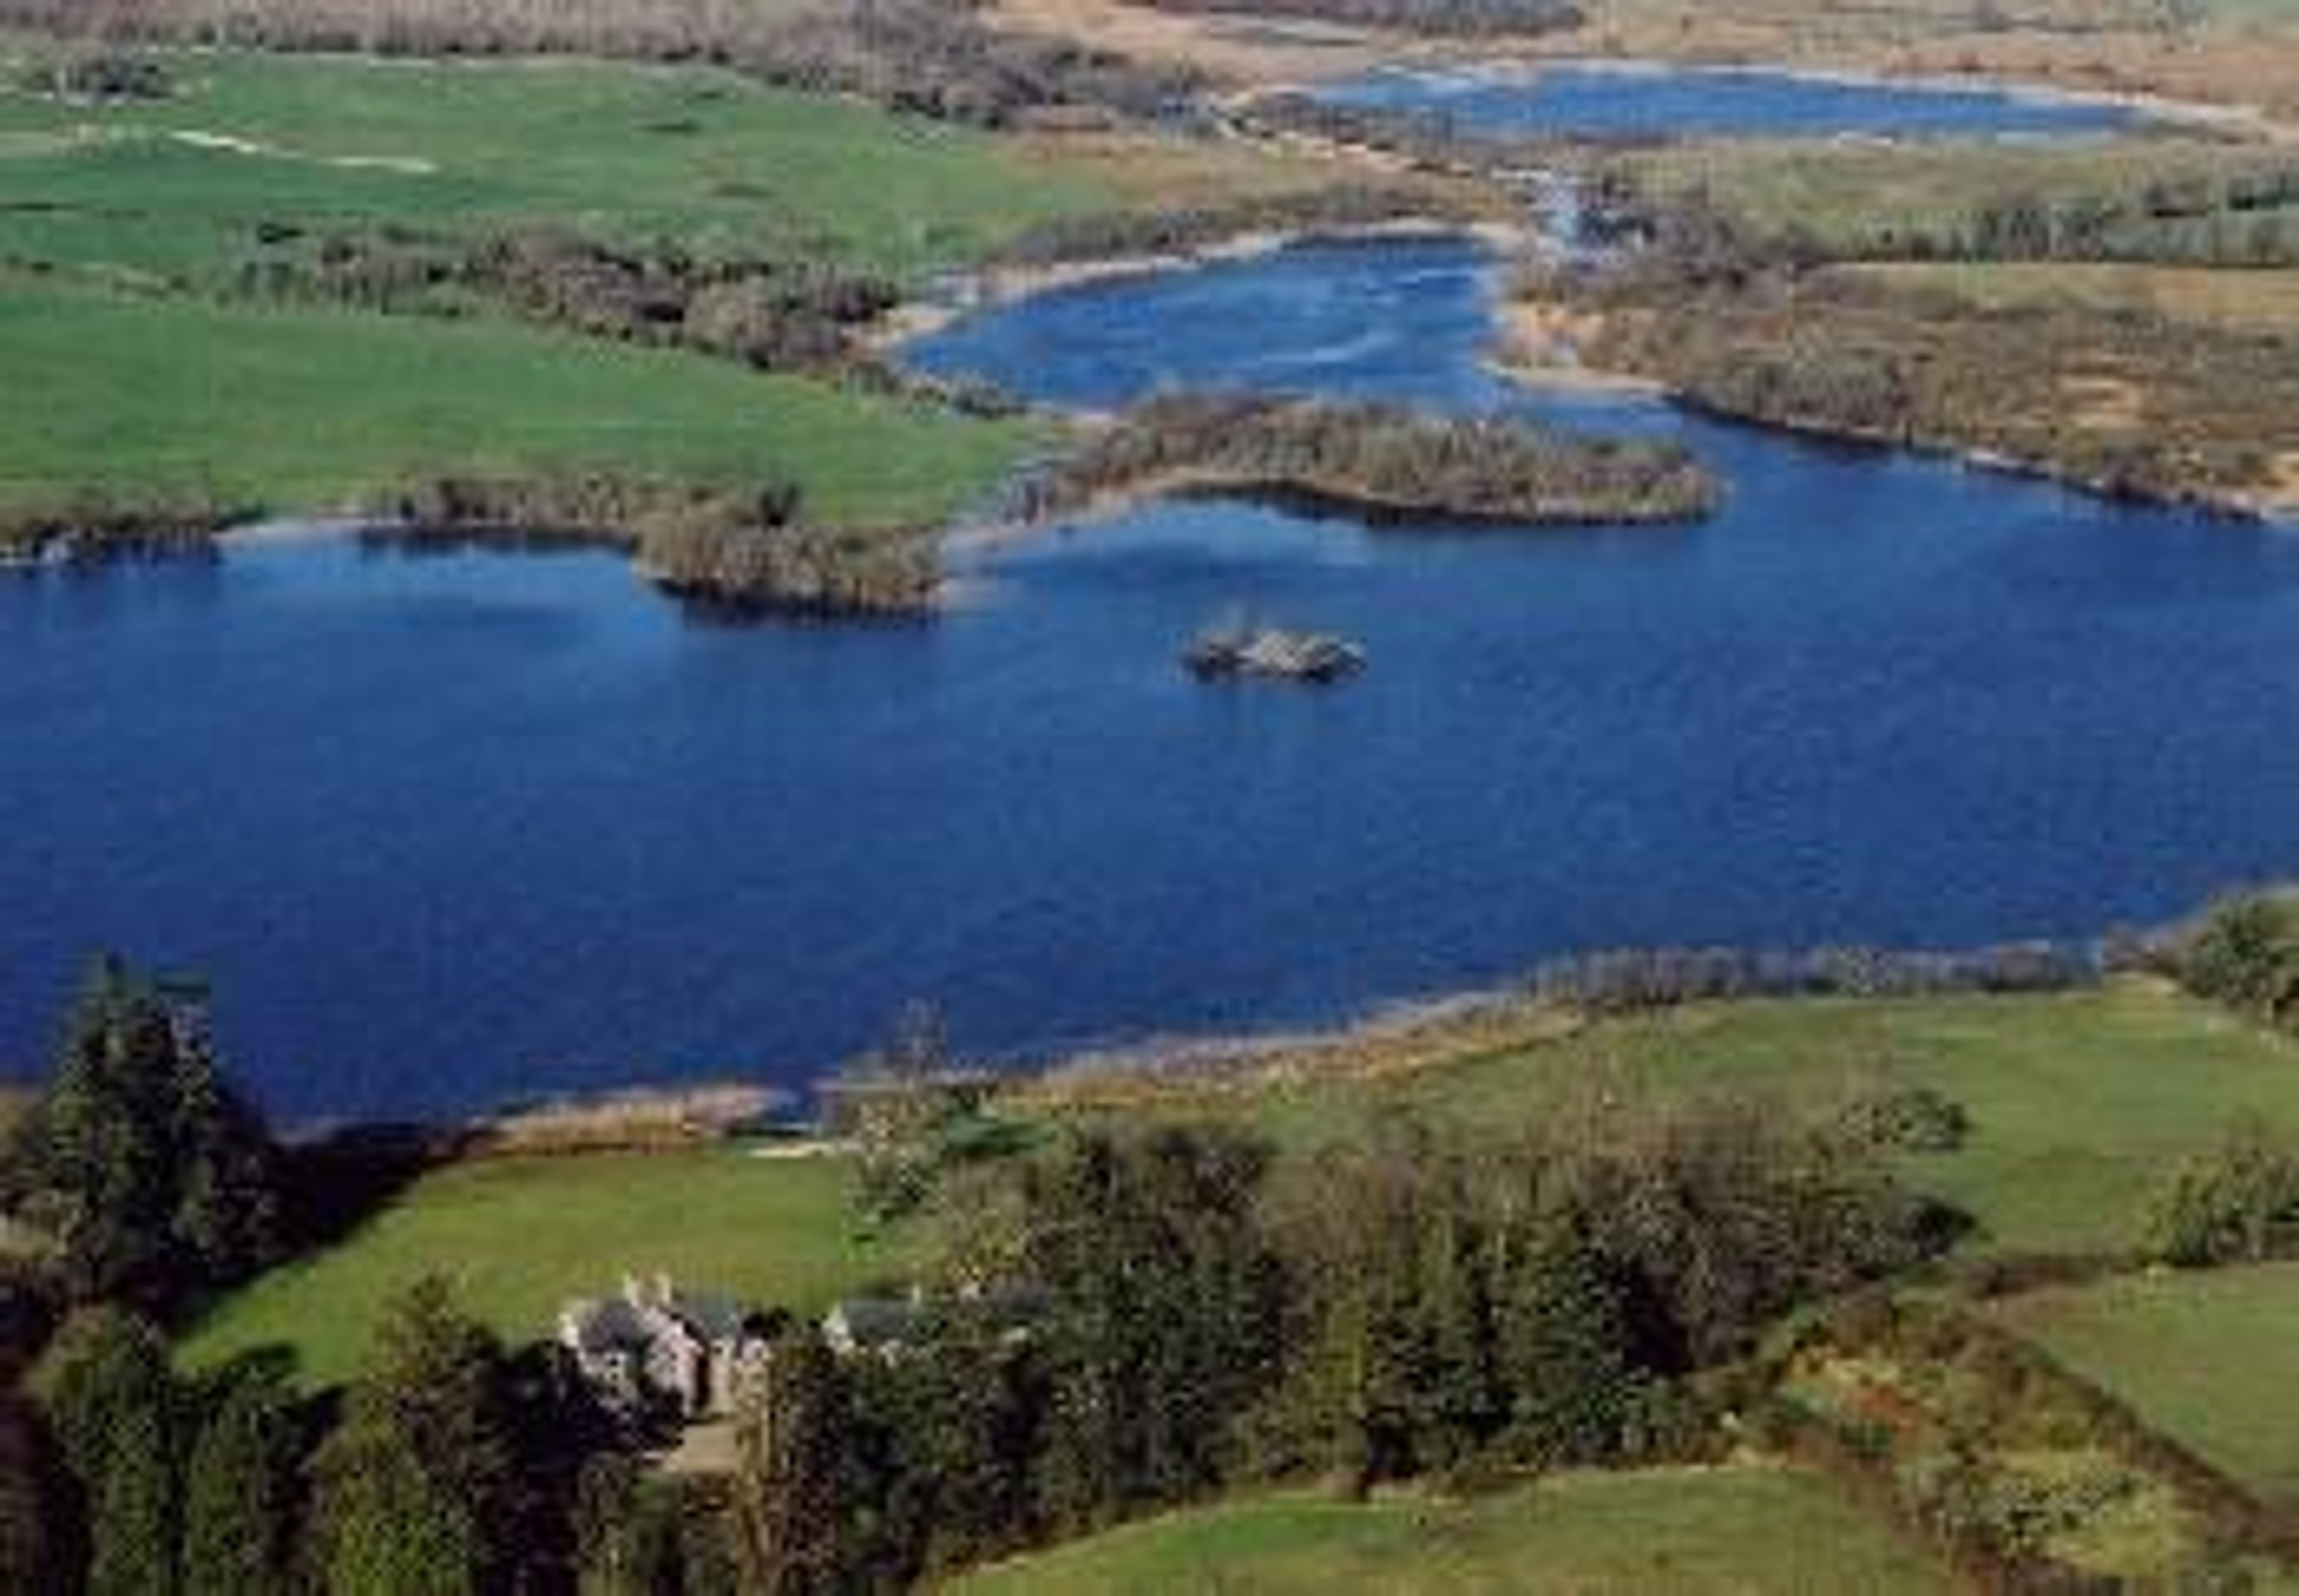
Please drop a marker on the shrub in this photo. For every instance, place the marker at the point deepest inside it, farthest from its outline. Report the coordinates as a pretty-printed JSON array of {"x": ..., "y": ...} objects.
[
  {"x": 2246, "y": 953},
  {"x": 1909, "y": 1119},
  {"x": 2238, "y": 1203}
]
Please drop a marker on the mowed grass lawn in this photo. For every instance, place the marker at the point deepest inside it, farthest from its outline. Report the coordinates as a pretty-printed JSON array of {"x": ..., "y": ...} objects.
[
  {"x": 517, "y": 1237},
  {"x": 301, "y": 410},
  {"x": 723, "y": 165},
  {"x": 2209, "y": 1357},
  {"x": 2078, "y": 1101},
  {"x": 1664, "y": 1533}
]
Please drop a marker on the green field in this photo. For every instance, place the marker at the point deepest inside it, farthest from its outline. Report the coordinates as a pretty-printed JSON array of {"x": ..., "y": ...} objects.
[
  {"x": 2209, "y": 1357},
  {"x": 181, "y": 186},
  {"x": 2078, "y": 1102},
  {"x": 288, "y": 410},
  {"x": 518, "y": 1236},
  {"x": 131, "y": 370},
  {"x": 1667, "y": 1532}
]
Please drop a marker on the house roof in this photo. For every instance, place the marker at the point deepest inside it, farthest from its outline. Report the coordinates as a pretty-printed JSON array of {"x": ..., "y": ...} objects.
[
  {"x": 714, "y": 1316},
  {"x": 606, "y": 1324},
  {"x": 875, "y": 1321}
]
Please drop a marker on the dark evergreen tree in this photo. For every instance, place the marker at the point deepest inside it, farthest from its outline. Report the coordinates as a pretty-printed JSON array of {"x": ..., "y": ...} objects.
[
  {"x": 41, "y": 1547},
  {"x": 242, "y": 1495},
  {"x": 630, "y": 1531},
  {"x": 117, "y": 1415},
  {"x": 1462, "y": 1405},
  {"x": 1563, "y": 1349},
  {"x": 154, "y": 1176},
  {"x": 790, "y": 1514},
  {"x": 414, "y": 1482},
  {"x": 1162, "y": 1324}
]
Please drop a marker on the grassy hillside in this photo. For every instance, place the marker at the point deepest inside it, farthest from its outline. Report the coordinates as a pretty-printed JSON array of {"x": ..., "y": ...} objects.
[
  {"x": 291, "y": 411},
  {"x": 182, "y": 185},
  {"x": 518, "y": 1236},
  {"x": 2077, "y": 1101},
  {"x": 1660, "y": 1533},
  {"x": 2211, "y": 1359}
]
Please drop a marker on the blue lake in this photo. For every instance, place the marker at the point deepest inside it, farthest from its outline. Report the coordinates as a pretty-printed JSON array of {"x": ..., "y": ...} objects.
[
  {"x": 1631, "y": 101},
  {"x": 446, "y": 829}
]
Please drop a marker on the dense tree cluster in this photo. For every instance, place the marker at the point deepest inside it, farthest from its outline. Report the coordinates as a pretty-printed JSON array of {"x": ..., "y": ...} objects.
[
  {"x": 448, "y": 1467},
  {"x": 795, "y": 313},
  {"x": 938, "y": 58},
  {"x": 1202, "y": 1318},
  {"x": 153, "y": 1179},
  {"x": 1382, "y": 460},
  {"x": 740, "y": 552},
  {"x": 2245, "y": 952}
]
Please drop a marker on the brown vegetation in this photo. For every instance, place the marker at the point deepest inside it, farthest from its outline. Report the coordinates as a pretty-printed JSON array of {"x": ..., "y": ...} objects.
[
  {"x": 740, "y": 551},
  {"x": 1472, "y": 19},
  {"x": 93, "y": 528},
  {"x": 1389, "y": 463},
  {"x": 2205, "y": 413}
]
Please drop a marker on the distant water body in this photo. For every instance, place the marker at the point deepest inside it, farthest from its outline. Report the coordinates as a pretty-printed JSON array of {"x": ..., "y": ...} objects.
[
  {"x": 449, "y": 828},
  {"x": 1629, "y": 102}
]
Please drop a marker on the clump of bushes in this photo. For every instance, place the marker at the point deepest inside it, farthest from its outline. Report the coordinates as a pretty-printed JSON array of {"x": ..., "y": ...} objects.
[
  {"x": 2237, "y": 1203},
  {"x": 100, "y": 75},
  {"x": 2031, "y": 1478},
  {"x": 1907, "y": 1119},
  {"x": 792, "y": 314},
  {"x": 2245, "y": 952},
  {"x": 740, "y": 551},
  {"x": 93, "y": 528},
  {"x": 1382, "y": 460}
]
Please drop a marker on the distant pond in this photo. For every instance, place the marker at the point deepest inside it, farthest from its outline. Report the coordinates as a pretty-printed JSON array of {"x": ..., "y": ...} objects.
[{"x": 1632, "y": 101}]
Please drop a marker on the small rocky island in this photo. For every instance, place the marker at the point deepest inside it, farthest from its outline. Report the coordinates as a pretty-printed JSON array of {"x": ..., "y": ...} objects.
[{"x": 1225, "y": 652}]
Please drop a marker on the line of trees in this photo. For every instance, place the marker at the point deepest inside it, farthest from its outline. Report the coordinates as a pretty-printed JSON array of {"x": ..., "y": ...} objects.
[
  {"x": 1391, "y": 462},
  {"x": 1209, "y": 1317},
  {"x": 797, "y": 313}
]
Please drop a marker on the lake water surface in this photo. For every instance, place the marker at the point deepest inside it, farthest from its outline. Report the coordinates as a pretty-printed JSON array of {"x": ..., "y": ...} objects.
[
  {"x": 1614, "y": 101},
  {"x": 450, "y": 828}
]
